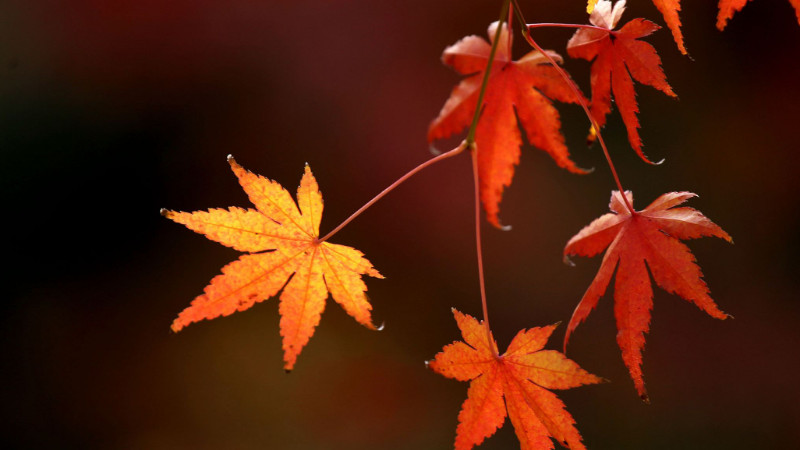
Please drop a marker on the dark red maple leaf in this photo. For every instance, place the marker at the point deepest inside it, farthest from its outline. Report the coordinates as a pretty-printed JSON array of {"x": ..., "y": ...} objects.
[{"x": 647, "y": 239}]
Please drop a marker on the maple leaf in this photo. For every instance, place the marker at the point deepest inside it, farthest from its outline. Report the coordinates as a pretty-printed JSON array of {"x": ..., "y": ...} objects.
[
  {"x": 283, "y": 243},
  {"x": 522, "y": 87},
  {"x": 521, "y": 376},
  {"x": 648, "y": 239},
  {"x": 618, "y": 56},
  {"x": 728, "y": 7}
]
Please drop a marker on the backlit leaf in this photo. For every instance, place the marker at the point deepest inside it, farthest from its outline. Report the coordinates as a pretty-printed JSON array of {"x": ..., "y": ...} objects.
[{"x": 284, "y": 253}]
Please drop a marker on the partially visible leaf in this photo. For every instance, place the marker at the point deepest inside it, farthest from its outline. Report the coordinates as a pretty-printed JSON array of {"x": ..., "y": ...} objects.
[
  {"x": 515, "y": 383},
  {"x": 618, "y": 56},
  {"x": 648, "y": 239},
  {"x": 728, "y": 7},
  {"x": 670, "y": 9},
  {"x": 284, "y": 245}
]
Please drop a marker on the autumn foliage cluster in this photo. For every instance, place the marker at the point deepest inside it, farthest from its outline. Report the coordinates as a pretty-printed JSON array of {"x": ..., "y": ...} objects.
[{"x": 499, "y": 103}]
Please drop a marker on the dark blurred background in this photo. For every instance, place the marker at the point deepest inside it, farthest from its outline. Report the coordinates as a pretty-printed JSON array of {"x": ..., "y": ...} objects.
[{"x": 110, "y": 111}]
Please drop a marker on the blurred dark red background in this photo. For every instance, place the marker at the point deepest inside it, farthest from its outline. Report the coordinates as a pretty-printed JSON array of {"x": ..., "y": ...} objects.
[{"x": 110, "y": 111}]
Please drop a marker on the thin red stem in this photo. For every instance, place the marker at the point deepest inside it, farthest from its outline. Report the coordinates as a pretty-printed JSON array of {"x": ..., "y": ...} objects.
[
  {"x": 391, "y": 187},
  {"x": 505, "y": 14},
  {"x": 527, "y": 34},
  {"x": 568, "y": 25},
  {"x": 481, "y": 280}
]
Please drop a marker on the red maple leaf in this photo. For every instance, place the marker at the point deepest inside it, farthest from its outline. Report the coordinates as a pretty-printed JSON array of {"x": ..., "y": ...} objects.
[
  {"x": 516, "y": 89},
  {"x": 618, "y": 56},
  {"x": 283, "y": 244},
  {"x": 728, "y": 7},
  {"x": 647, "y": 239},
  {"x": 521, "y": 376}
]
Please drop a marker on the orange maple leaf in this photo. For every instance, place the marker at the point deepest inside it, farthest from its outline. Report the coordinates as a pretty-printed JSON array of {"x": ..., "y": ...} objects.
[
  {"x": 521, "y": 86},
  {"x": 650, "y": 236},
  {"x": 281, "y": 241},
  {"x": 619, "y": 55},
  {"x": 728, "y": 7},
  {"x": 521, "y": 376}
]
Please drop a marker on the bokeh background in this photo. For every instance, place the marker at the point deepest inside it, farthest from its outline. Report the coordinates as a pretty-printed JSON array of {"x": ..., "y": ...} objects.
[{"x": 110, "y": 111}]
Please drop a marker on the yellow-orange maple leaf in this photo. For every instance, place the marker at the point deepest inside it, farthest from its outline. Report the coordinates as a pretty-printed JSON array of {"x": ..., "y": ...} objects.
[
  {"x": 283, "y": 242},
  {"x": 521, "y": 376}
]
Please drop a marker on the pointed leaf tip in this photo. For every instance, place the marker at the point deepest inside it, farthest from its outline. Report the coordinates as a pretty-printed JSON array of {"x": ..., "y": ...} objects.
[
  {"x": 381, "y": 326},
  {"x": 165, "y": 212}
]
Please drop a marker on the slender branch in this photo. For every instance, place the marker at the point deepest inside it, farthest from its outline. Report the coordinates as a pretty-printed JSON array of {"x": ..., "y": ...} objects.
[
  {"x": 505, "y": 14},
  {"x": 469, "y": 142},
  {"x": 474, "y": 125},
  {"x": 391, "y": 187},
  {"x": 481, "y": 280},
  {"x": 510, "y": 19},
  {"x": 527, "y": 35}
]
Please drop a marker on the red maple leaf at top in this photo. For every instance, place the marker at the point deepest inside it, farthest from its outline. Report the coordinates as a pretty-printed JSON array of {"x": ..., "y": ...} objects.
[
  {"x": 647, "y": 239},
  {"x": 618, "y": 56},
  {"x": 516, "y": 89}
]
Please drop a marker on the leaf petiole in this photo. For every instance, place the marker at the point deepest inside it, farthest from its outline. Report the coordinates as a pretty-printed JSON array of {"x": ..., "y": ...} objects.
[
  {"x": 568, "y": 25},
  {"x": 527, "y": 35},
  {"x": 505, "y": 13},
  {"x": 391, "y": 187}
]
